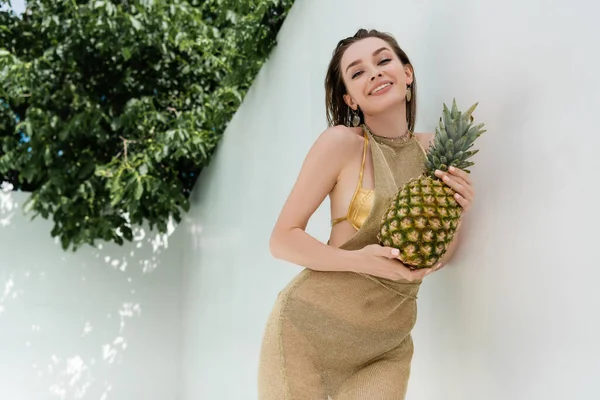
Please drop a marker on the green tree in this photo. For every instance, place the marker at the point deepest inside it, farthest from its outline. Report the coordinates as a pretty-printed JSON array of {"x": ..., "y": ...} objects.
[{"x": 110, "y": 109}]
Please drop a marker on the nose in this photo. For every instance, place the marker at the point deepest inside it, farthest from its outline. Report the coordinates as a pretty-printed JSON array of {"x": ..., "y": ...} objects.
[{"x": 375, "y": 76}]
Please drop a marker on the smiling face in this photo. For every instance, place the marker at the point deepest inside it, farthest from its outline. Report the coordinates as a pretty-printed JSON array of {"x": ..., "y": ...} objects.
[{"x": 374, "y": 76}]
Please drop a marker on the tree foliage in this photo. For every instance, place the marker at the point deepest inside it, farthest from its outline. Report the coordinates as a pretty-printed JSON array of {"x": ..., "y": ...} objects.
[{"x": 110, "y": 109}]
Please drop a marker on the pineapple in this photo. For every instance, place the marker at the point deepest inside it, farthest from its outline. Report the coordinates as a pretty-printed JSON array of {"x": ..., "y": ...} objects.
[{"x": 423, "y": 216}]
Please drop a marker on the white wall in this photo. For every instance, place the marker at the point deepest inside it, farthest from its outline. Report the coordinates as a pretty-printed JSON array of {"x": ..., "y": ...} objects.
[
  {"x": 515, "y": 316},
  {"x": 98, "y": 324}
]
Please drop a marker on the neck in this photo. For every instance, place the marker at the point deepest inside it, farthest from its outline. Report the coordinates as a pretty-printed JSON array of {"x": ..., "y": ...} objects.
[{"x": 391, "y": 123}]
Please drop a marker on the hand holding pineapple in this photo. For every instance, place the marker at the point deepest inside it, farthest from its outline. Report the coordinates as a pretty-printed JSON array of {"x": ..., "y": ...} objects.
[
  {"x": 383, "y": 262},
  {"x": 423, "y": 217},
  {"x": 461, "y": 183}
]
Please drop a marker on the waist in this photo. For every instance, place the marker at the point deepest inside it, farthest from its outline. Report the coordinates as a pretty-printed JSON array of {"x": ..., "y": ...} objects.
[{"x": 401, "y": 287}]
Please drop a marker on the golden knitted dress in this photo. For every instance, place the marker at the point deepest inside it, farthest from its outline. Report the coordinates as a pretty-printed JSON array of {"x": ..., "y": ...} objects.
[{"x": 346, "y": 335}]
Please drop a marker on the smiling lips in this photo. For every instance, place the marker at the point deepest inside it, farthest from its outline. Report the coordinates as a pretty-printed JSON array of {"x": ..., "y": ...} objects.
[{"x": 380, "y": 88}]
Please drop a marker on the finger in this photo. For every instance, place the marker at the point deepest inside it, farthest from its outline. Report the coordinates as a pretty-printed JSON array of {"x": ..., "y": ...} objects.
[
  {"x": 437, "y": 267},
  {"x": 460, "y": 173},
  {"x": 414, "y": 274},
  {"x": 453, "y": 180},
  {"x": 422, "y": 273},
  {"x": 390, "y": 252},
  {"x": 464, "y": 203},
  {"x": 456, "y": 186},
  {"x": 467, "y": 190}
]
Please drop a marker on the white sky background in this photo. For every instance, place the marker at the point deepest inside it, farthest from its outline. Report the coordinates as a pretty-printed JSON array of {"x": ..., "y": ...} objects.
[{"x": 18, "y": 6}]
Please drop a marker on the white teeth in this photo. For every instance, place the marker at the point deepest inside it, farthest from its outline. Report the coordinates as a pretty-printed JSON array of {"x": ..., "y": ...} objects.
[{"x": 378, "y": 88}]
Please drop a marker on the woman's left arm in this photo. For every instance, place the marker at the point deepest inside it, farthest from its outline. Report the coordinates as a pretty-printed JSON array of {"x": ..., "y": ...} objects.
[{"x": 462, "y": 184}]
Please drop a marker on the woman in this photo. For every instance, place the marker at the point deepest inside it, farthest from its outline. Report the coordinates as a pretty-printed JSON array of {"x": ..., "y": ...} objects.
[{"x": 342, "y": 327}]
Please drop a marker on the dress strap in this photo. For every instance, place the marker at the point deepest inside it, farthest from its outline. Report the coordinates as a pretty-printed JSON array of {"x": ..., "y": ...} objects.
[
  {"x": 364, "y": 159},
  {"x": 360, "y": 174}
]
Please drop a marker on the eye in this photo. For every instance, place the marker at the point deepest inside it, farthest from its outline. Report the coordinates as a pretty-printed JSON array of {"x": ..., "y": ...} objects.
[
  {"x": 356, "y": 74},
  {"x": 385, "y": 61}
]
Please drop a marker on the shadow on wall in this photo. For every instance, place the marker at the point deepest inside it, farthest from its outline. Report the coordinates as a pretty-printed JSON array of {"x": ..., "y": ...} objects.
[{"x": 68, "y": 319}]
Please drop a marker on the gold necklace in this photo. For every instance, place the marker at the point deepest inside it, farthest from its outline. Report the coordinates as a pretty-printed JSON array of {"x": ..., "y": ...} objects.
[{"x": 395, "y": 139}]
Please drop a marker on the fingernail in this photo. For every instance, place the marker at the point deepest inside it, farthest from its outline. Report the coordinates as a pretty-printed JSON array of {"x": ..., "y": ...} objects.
[
  {"x": 457, "y": 196},
  {"x": 451, "y": 169},
  {"x": 395, "y": 252},
  {"x": 446, "y": 179}
]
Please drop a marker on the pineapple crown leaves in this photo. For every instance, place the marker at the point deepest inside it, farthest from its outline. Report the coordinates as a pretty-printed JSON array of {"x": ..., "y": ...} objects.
[{"x": 453, "y": 138}]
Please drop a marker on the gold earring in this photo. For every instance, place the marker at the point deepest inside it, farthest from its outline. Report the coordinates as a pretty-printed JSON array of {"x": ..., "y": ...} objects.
[
  {"x": 408, "y": 93},
  {"x": 355, "y": 118}
]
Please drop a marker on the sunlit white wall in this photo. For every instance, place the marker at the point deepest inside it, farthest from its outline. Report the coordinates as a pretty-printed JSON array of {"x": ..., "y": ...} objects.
[
  {"x": 98, "y": 324},
  {"x": 515, "y": 315}
]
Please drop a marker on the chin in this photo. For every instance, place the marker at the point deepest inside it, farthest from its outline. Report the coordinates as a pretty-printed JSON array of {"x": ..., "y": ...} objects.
[{"x": 385, "y": 102}]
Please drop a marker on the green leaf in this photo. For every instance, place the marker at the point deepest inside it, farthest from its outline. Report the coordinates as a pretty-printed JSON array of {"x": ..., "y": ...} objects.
[
  {"x": 139, "y": 189},
  {"x": 65, "y": 240},
  {"x": 116, "y": 197},
  {"x": 118, "y": 240},
  {"x": 86, "y": 170},
  {"x": 137, "y": 25},
  {"x": 126, "y": 53},
  {"x": 127, "y": 233},
  {"x": 449, "y": 148}
]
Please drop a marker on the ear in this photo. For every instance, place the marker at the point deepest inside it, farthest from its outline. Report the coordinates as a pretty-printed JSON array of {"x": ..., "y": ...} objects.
[
  {"x": 409, "y": 74},
  {"x": 350, "y": 102}
]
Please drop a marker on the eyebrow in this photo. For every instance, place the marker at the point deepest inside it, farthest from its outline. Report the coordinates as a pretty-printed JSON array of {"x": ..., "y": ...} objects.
[{"x": 353, "y": 63}]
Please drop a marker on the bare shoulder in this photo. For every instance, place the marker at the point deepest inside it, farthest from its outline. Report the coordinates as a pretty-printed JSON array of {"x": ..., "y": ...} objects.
[
  {"x": 339, "y": 142},
  {"x": 425, "y": 139},
  {"x": 342, "y": 136}
]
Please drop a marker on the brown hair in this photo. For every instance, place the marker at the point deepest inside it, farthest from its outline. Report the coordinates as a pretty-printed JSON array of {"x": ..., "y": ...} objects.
[{"x": 338, "y": 112}]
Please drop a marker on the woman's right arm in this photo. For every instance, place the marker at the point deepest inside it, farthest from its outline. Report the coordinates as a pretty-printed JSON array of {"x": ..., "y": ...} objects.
[{"x": 318, "y": 175}]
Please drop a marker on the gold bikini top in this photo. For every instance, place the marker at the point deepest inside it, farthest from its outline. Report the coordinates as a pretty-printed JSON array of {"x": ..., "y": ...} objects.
[{"x": 362, "y": 200}]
